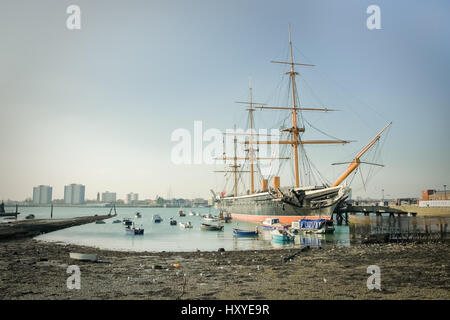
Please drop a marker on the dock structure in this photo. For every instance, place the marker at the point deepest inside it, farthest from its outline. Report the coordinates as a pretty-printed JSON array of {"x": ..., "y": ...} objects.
[
  {"x": 31, "y": 228},
  {"x": 8, "y": 214},
  {"x": 343, "y": 211}
]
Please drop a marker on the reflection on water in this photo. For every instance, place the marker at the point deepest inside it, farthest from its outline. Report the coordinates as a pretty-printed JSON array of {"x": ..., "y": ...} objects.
[
  {"x": 405, "y": 228},
  {"x": 164, "y": 237}
]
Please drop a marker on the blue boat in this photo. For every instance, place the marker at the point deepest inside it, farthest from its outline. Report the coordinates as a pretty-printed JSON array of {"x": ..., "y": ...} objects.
[
  {"x": 314, "y": 226},
  {"x": 127, "y": 222},
  {"x": 157, "y": 218},
  {"x": 244, "y": 233}
]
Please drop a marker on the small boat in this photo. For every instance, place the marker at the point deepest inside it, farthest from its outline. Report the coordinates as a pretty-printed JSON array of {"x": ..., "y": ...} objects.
[
  {"x": 210, "y": 217},
  {"x": 313, "y": 226},
  {"x": 187, "y": 225},
  {"x": 192, "y": 213},
  {"x": 138, "y": 215},
  {"x": 100, "y": 222},
  {"x": 198, "y": 214},
  {"x": 211, "y": 227},
  {"x": 225, "y": 217},
  {"x": 245, "y": 233},
  {"x": 83, "y": 256},
  {"x": 282, "y": 235},
  {"x": 173, "y": 222},
  {"x": 116, "y": 221},
  {"x": 30, "y": 216},
  {"x": 157, "y": 218},
  {"x": 127, "y": 222},
  {"x": 181, "y": 213},
  {"x": 133, "y": 230},
  {"x": 273, "y": 223}
]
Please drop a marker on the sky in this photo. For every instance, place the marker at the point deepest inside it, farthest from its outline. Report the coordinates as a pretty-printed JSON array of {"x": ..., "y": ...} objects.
[{"x": 98, "y": 105}]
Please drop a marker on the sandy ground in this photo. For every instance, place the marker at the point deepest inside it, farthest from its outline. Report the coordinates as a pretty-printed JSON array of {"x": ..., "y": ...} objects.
[{"x": 37, "y": 270}]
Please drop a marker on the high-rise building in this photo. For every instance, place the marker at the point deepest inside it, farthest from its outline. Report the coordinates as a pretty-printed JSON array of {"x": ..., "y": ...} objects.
[
  {"x": 42, "y": 194},
  {"x": 108, "y": 196},
  {"x": 132, "y": 198},
  {"x": 74, "y": 194}
]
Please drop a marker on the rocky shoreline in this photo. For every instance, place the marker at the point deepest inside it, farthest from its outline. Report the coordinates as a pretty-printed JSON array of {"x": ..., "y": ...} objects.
[{"x": 31, "y": 269}]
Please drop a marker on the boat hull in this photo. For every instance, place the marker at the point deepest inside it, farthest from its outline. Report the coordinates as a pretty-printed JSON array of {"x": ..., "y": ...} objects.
[
  {"x": 287, "y": 207},
  {"x": 244, "y": 233}
]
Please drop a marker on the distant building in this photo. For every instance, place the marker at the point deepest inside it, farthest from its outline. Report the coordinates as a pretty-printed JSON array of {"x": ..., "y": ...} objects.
[
  {"x": 428, "y": 195},
  {"x": 132, "y": 198},
  {"x": 108, "y": 197},
  {"x": 42, "y": 194},
  {"x": 98, "y": 196},
  {"x": 199, "y": 202},
  {"x": 74, "y": 194}
]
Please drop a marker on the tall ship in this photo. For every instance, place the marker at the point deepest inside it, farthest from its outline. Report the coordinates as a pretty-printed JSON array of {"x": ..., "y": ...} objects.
[{"x": 287, "y": 203}]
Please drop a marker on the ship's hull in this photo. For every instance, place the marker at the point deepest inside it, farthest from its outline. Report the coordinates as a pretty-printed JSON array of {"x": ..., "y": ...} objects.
[{"x": 287, "y": 205}]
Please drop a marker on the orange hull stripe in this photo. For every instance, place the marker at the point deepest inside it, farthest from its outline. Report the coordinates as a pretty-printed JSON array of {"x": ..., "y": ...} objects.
[{"x": 283, "y": 219}]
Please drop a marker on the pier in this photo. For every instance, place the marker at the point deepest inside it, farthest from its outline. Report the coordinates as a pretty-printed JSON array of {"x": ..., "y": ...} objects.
[
  {"x": 8, "y": 214},
  {"x": 343, "y": 211},
  {"x": 31, "y": 228}
]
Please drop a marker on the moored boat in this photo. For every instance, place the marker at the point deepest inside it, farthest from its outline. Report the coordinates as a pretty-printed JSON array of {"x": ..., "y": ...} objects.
[
  {"x": 245, "y": 233},
  {"x": 83, "y": 256},
  {"x": 282, "y": 235},
  {"x": 157, "y": 218},
  {"x": 186, "y": 225},
  {"x": 313, "y": 226},
  {"x": 133, "y": 230},
  {"x": 181, "y": 213},
  {"x": 211, "y": 227},
  {"x": 312, "y": 196},
  {"x": 127, "y": 221},
  {"x": 173, "y": 222},
  {"x": 138, "y": 215},
  {"x": 273, "y": 223}
]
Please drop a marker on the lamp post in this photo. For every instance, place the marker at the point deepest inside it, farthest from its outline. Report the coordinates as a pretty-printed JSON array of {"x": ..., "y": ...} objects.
[{"x": 445, "y": 192}]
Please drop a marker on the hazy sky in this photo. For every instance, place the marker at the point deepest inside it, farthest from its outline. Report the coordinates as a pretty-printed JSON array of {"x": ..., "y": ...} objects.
[{"x": 97, "y": 106}]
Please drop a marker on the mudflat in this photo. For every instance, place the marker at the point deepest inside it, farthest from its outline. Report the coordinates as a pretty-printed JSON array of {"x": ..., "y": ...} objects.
[{"x": 31, "y": 269}]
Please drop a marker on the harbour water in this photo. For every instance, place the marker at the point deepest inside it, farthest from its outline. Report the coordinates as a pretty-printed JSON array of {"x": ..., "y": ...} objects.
[{"x": 165, "y": 237}]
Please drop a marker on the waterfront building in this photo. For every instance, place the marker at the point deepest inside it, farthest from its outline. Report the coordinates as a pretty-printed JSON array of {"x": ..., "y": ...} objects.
[
  {"x": 74, "y": 194},
  {"x": 429, "y": 195},
  {"x": 108, "y": 197},
  {"x": 132, "y": 198},
  {"x": 42, "y": 194}
]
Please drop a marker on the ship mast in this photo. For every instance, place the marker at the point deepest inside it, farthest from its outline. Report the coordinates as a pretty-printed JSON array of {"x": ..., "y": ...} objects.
[
  {"x": 295, "y": 130},
  {"x": 355, "y": 163},
  {"x": 234, "y": 166},
  {"x": 251, "y": 154},
  {"x": 295, "y": 140}
]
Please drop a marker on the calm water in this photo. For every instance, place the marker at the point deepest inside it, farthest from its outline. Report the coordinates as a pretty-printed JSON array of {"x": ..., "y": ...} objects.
[{"x": 164, "y": 237}]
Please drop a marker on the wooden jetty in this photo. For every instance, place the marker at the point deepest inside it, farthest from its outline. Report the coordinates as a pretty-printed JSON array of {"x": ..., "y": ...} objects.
[
  {"x": 342, "y": 212},
  {"x": 31, "y": 228},
  {"x": 8, "y": 214}
]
